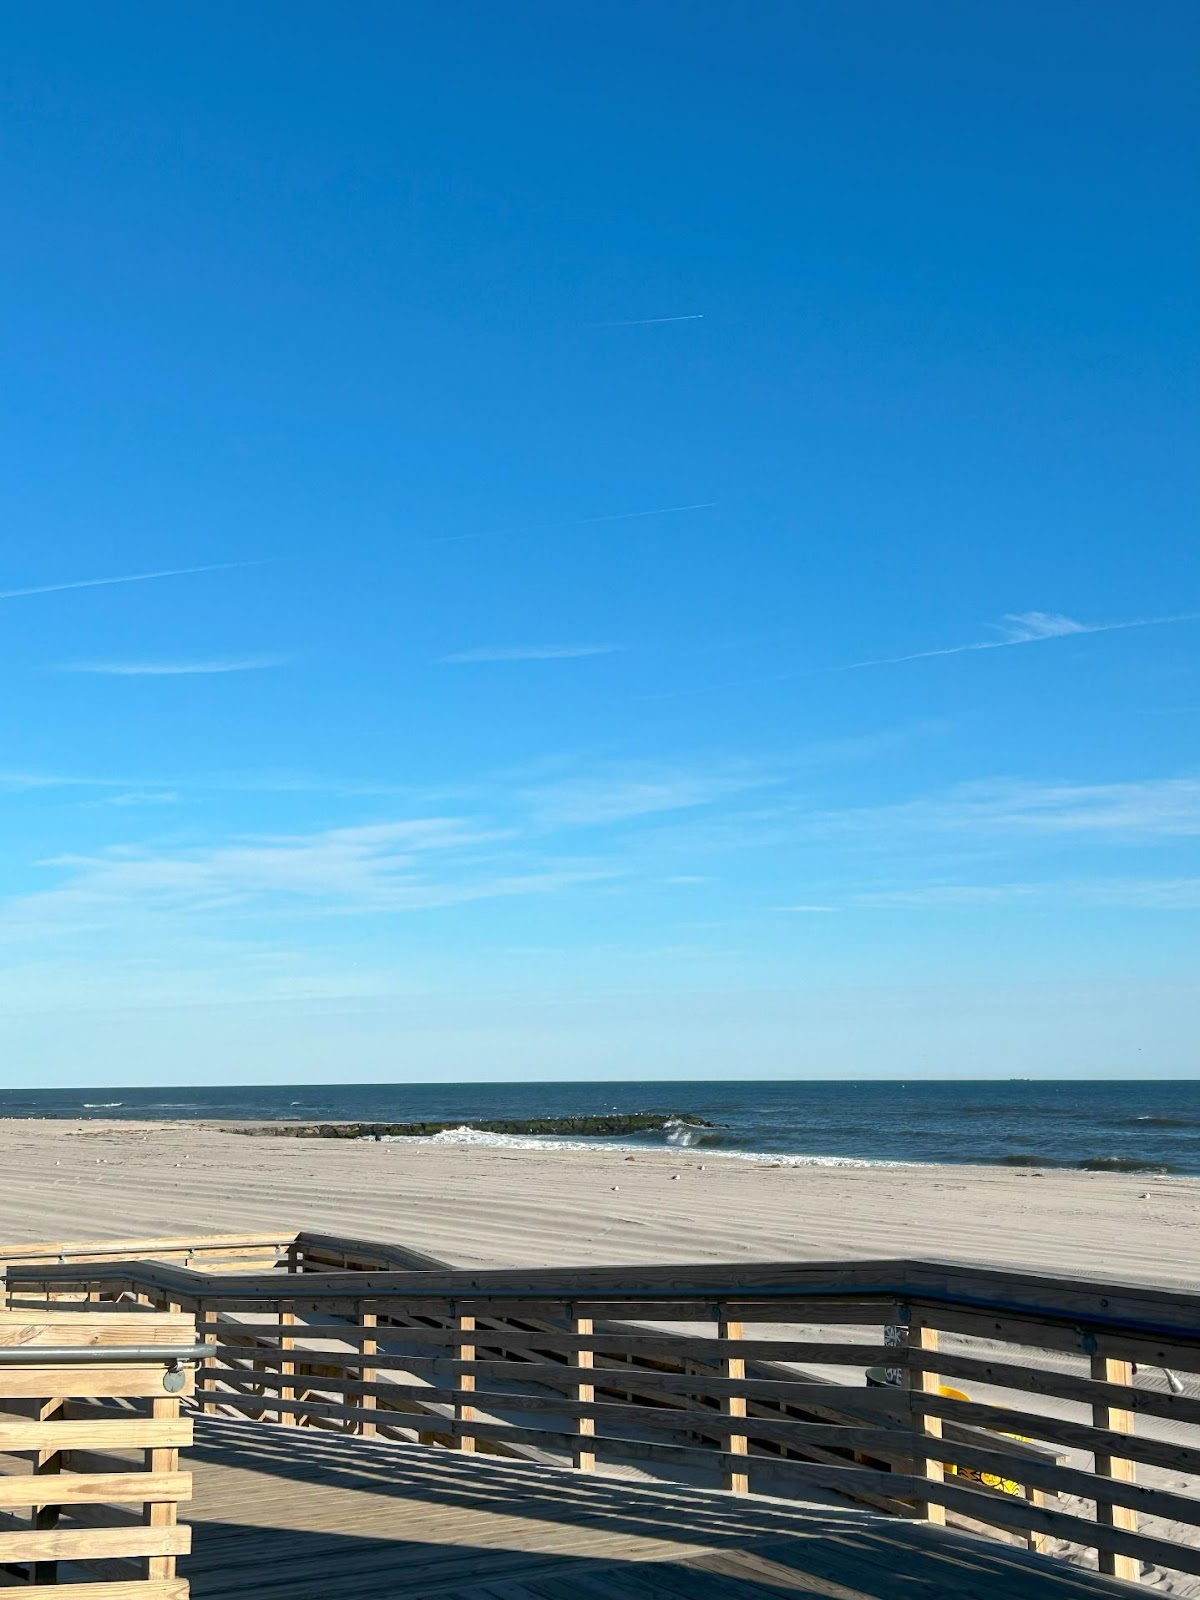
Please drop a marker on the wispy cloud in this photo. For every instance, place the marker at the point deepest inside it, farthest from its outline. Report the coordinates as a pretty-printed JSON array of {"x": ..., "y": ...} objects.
[
  {"x": 1143, "y": 810},
  {"x": 529, "y": 652},
  {"x": 1135, "y": 894},
  {"x": 140, "y": 797},
  {"x": 378, "y": 868},
  {"x": 625, "y": 795},
  {"x": 648, "y": 322},
  {"x": 173, "y": 669},
  {"x": 576, "y": 522},
  {"x": 1016, "y": 628},
  {"x": 1025, "y": 627},
  {"x": 129, "y": 577}
]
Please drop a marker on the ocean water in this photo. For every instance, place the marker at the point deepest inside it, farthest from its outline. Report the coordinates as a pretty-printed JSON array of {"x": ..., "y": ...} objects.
[{"x": 1125, "y": 1126}]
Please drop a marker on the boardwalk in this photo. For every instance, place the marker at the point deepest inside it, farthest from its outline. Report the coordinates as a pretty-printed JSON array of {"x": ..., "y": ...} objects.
[{"x": 317, "y": 1516}]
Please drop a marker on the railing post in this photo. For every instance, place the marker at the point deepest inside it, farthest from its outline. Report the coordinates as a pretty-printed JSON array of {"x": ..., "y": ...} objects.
[
  {"x": 368, "y": 1320},
  {"x": 208, "y": 1323},
  {"x": 733, "y": 1405},
  {"x": 922, "y": 1338},
  {"x": 162, "y": 1513},
  {"x": 287, "y": 1369},
  {"x": 585, "y": 1393},
  {"x": 1115, "y": 1420},
  {"x": 47, "y": 1516},
  {"x": 463, "y": 1411}
]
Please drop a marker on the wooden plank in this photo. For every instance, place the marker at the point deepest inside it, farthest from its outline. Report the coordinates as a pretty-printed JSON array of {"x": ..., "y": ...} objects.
[
  {"x": 583, "y": 1361},
  {"x": 133, "y": 1589},
  {"x": 47, "y": 1464},
  {"x": 68, "y": 1544},
  {"x": 733, "y": 1405},
  {"x": 368, "y": 1375},
  {"x": 102, "y": 1433},
  {"x": 606, "y": 1340},
  {"x": 18, "y": 1328},
  {"x": 1075, "y": 1435},
  {"x": 464, "y": 1411},
  {"x": 71, "y": 1488},
  {"x": 80, "y": 1381},
  {"x": 799, "y": 1391},
  {"x": 617, "y": 1426},
  {"x": 161, "y": 1514},
  {"x": 74, "y": 1250},
  {"x": 1111, "y": 1512},
  {"x": 927, "y": 1428},
  {"x": 830, "y": 1396},
  {"x": 287, "y": 1367},
  {"x": 1067, "y": 1386}
]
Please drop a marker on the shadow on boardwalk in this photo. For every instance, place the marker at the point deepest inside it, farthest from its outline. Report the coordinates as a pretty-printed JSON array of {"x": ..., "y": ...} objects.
[{"x": 318, "y": 1516}]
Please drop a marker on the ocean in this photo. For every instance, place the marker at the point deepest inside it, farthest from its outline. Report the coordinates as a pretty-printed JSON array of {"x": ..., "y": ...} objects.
[{"x": 1104, "y": 1126}]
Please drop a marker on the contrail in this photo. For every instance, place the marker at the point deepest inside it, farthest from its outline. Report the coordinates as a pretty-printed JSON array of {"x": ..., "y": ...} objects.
[
  {"x": 1031, "y": 627},
  {"x": 625, "y": 516},
  {"x": 647, "y": 322},
  {"x": 1066, "y": 629},
  {"x": 577, "y": 522},
  {"x": 131, "y": 577}
]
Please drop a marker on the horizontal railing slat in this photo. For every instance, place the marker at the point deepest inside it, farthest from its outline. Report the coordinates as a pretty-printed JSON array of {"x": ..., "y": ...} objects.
[{"x": 71, "y": 1488}]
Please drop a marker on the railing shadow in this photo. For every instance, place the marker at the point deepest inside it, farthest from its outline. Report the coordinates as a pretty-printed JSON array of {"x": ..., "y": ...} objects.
[{"x": 743, "y": 1547}]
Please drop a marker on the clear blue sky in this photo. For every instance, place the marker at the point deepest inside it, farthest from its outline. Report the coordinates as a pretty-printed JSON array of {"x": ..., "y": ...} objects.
[{"x": 472, "y": 754}]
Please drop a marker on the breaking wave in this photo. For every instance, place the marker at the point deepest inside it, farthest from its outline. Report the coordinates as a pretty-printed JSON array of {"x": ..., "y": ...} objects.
[{"x": 466, "y": 1135}]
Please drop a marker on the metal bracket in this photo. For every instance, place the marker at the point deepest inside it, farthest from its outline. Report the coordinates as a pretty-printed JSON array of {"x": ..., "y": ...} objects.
[{"x": 174, "y": 1377}]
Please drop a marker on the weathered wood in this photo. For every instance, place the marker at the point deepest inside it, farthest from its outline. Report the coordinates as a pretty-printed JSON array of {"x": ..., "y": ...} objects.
[
  {"x": 1098, "y": 1393},
  {"x": 76, "y": 1251},
  {"x": 20, "y": 1328},
  {"x": 627, "y": 1340}
]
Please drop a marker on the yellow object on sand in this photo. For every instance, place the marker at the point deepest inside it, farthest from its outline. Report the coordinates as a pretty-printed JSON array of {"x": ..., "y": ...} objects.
[{"x": 971, "y": 1474}]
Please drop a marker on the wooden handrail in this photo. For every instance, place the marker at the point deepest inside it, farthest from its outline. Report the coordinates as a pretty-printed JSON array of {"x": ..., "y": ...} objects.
[
  {"x": 567, "y": 1363},
  {"x": 98, "y": 1380}
]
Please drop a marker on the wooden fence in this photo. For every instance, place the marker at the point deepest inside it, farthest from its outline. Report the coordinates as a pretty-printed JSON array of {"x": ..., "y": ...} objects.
[
  {"x": 1026, "y": 1405},
  {"x": 90, "y": 1434}
]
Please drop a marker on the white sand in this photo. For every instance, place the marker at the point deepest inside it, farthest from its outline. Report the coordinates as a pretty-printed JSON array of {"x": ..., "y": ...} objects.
[{"x": 541, "y": 1207}]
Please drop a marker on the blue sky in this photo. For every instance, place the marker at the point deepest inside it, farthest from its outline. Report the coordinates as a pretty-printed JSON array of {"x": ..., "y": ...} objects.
[{"x": 646, "y": 540}]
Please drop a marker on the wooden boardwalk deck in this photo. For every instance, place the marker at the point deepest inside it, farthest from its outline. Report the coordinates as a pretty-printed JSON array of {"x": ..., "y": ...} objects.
[{"x": 309, "y": 1515}]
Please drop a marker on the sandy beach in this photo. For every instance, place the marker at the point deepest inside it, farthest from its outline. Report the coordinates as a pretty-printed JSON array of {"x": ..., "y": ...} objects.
[{"x": 488, "y": 1206}]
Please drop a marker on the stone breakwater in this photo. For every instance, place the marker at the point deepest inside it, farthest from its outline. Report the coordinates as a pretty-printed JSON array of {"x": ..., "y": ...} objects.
[{"x": 541, "y": 1127}]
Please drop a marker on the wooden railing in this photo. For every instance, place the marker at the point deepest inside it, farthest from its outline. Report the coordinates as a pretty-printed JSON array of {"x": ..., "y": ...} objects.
[
  {"x": 226, "y": 1252},
  {"x": 90, "y": 1433},
  {"x": 1027, "y": 1405}
]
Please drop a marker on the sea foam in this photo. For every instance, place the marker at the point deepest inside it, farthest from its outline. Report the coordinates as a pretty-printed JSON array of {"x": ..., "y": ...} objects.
[{"x": 466, "y": 1135}]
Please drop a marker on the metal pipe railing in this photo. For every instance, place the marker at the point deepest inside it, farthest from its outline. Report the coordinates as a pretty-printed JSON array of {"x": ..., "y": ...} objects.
[{"x": 108, "y": 1355}]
